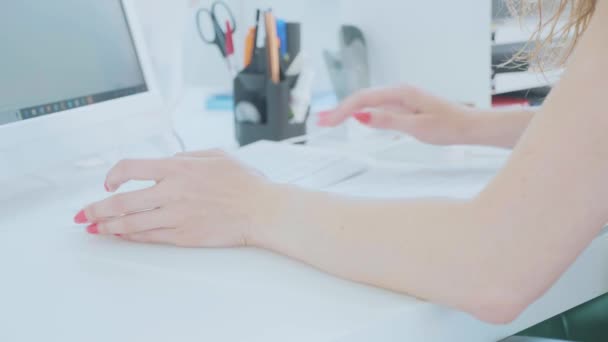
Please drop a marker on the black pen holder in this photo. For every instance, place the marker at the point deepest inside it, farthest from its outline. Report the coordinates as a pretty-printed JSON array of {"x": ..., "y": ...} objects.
[{"x": 265, "y": 105}]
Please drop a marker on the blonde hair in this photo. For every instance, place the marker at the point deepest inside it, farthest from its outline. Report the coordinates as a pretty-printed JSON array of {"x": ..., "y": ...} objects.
[{"x": 561, "y": 24}]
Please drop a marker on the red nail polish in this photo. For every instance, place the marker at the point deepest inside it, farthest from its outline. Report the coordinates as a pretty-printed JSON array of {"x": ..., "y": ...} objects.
[
  {"x": 118, "y": 235},
  {"x": 81, "y": 217},
  {"x": 92, "y": 229},
  {"x": 364, "y": 118},
  {"x": 105, "y": 185}
]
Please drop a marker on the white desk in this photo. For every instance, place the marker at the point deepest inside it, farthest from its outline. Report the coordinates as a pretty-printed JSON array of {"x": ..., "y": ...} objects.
[{"x": 59, "y": 284}]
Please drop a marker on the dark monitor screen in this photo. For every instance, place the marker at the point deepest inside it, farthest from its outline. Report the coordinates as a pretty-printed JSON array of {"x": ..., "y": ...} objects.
[{"x": 63, "y": 54}]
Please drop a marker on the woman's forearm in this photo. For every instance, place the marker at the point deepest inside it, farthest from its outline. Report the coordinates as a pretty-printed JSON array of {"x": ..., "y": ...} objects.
[
  {"x": 499, "y": 129},
  {"x": 409, "y": 247}
]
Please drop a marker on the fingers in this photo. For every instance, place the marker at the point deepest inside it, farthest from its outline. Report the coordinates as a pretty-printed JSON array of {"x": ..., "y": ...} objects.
[
  {"x": 137, "y": 169},
  {"x": 158, "y": 236},
  {"x": 409, "y": 124},
  {"x": 150, "y": 169},
  {"x": 135, "y": 223},
  {"x": 363, "y": 100},
  {"x": 131, "y": 202}
]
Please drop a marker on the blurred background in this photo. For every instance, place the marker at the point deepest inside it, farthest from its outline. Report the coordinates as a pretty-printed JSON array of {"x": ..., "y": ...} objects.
[{"x": 454, "y": 51}]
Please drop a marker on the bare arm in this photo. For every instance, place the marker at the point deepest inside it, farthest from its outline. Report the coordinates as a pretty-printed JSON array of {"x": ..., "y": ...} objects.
[
  {"x": 498, "y": 128},
  {"x": 512, "y": 242},
  {"x": 429, "y": 118},
  {"x": 490, "y": 256}
]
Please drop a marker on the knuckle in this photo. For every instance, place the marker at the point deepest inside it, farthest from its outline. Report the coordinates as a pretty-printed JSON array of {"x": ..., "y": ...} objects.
[
  {"x": 118, "y": 204},
  {"x": 409, "y": 91},
  {"x": 91, "y": 213},
  {"x": 418, "y": 129},
  {"x": 360, "y": 97},
  {"x": 384, "y": 120},
  {"x": 104, "y": 228},
  {"x": 121, "y": 168}
]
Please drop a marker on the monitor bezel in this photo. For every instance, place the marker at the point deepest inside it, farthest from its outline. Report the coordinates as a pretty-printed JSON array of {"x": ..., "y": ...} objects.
[{"x": 89, "y": 129}]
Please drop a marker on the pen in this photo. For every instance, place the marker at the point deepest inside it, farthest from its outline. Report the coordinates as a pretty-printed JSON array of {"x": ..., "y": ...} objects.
[
  {"x": 273, "y": 48},
  {"x": 257, "y": 28},
  {"x": 282, "y": 33},
  {"x": 249, "y": 46}
]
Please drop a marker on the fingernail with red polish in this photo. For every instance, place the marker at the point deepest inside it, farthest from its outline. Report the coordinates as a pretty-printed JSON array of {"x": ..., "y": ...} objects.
[
  {"x": 92, "y": 229},
  {"x": 105, "y": 185},
  {"x": 364, "y": 118},
  {"x": 81, "y": 217},
  {"x": 118, "y": 235}
]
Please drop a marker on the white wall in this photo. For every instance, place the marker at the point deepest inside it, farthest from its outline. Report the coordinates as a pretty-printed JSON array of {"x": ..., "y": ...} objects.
[
  {"x": 441, "y": 45},
  {"x": 164, "y": 25}
]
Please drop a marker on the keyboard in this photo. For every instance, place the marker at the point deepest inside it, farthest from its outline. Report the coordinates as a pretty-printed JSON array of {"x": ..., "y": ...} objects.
[{"x": 303, "y": 166}]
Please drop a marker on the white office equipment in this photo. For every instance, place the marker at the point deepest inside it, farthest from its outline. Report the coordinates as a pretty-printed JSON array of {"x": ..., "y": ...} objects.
[
  {"x": 307, "y": 167},
  {"x": 164, "y": 25}
]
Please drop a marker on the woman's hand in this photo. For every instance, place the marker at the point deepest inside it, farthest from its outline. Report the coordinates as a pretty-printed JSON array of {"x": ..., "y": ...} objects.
[
  {"x": 205, "y": 199},
  {"x": 410, "y": 110}
]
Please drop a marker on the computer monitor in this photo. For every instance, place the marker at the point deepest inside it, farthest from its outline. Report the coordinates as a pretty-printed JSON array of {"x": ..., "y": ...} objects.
[
  {"x": 75, "y": 80},
  {"x": 64, "y": 54}
]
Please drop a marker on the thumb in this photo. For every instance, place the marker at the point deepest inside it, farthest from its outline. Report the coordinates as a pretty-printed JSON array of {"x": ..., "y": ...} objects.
[{"x": 369, "y": 98}]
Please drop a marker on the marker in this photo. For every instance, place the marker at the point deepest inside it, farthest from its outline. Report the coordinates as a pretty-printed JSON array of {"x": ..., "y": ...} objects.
[
  {"x": 249, "y": 46},
  {"x": 282, "y": 33}
]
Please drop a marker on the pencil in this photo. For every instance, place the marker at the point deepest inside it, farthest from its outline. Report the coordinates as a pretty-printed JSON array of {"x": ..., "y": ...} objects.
[{"x": 273, "y": 47}]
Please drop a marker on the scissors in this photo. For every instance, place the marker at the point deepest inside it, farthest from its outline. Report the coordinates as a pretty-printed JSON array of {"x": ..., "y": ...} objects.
[{"x": 216, "y": 26}]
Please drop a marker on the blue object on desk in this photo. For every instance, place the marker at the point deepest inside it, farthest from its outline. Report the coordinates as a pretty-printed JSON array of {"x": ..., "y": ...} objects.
[
  {"x": 220, "y": 103},
  {"x": 282, "y": 33}
]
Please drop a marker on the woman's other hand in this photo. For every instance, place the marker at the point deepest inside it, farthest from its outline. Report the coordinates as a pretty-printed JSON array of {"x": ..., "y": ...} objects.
[{"x": 410, "y": 110}]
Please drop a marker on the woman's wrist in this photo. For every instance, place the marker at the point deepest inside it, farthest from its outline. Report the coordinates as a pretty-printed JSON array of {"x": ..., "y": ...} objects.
[
  {"x": 499, "y": 129},
  {"x": 289, "y": 216},
  {"x": 466, "y": 127},
  {"x": 475, "y": 124},
  {"x": 269, "y": 214}
]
